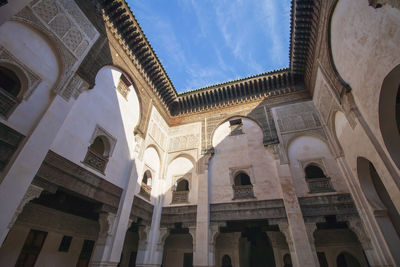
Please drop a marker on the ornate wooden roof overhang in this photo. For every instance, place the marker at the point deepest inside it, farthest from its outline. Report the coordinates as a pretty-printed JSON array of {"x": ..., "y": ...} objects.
[
  {"x": 119, "y": 14},
  {"x": 304, "y": 30}
]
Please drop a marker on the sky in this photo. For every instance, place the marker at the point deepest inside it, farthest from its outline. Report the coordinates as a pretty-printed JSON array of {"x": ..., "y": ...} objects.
[{"x": 205, "y": 42}]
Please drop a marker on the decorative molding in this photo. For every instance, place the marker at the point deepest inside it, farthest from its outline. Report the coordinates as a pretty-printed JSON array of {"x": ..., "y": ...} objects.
[
  {"x": 106, "y": 222},
  {"x": 32, "y": 193},
  {"x": 99, "y": 131},
  {"x": 179, "y": 214},
  {"x": 141, "y": 209}
]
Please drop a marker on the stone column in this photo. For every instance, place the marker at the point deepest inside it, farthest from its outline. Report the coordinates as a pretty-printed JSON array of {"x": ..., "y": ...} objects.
[
  {"x": 296, "y": 234},
  {"x": 311, "y": 227},
  {"x": 104, "y": 241},
  {"x": 200, "y": 248},
  {"x": 213, "y": 234},
  {"x": 142, "y": 245},
  {"x": 357, "y": 227},
  {"x": 17, "y": 180},
  {"x": 235, "y": 244},
  {"x": 278, "y": 244},
  {"x": 109, "y": 248}
]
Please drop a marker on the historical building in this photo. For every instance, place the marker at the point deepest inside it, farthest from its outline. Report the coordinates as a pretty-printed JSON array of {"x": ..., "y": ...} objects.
[{"x": 103, "y": 163}]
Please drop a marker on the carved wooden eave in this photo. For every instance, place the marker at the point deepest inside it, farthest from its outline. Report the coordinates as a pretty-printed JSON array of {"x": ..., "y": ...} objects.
[
  {"x": 304, "y": 32},
  {"x": 128, "y": 31},
  {"x": 238, "y": 91}
]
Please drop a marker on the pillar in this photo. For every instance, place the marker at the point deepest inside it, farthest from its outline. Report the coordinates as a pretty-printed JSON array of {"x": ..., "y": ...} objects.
[
  {"x": 212, "y": 242},
  {"x": 295, "y": 231},
  {"x": 19, "y": 177},
  {"x": 142, "y": 245},
  {"x": 200, "y": 248},
  {"x": 278, "y": 246},
  {"x": 311, "y": 227},
  {"x": 113, "y": 227},
  {"x": 357, "y": 227}
]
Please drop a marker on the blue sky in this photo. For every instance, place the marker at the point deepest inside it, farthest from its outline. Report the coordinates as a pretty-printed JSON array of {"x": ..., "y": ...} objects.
[{"x": 204, "y": 42}]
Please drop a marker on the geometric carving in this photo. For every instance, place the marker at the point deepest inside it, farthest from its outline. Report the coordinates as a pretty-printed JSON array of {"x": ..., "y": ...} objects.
[
  {"x": 243, "y": 192},
  {"x": 46, "y": 9},
  {"x": 60, "y": 25},
  {"x": 73, "y": 38},
  {"x": 184, "y": 142},
  {"x": 141, "y": 209},
  {"x": 74, "y": 88},
  {"x": 81, "y": 48}
]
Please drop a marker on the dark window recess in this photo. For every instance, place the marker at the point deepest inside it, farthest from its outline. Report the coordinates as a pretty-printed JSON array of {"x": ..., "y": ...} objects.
[
  {"x": 31, "y": 249},
  {"x": 188, "y": 260},
  {"x": 322, "y": 259},
  {"x": 65, "y": 243},
  {"x": 10, "y": 87},
  {"x": 242, "y": 187},
  {"x": 313, "y": 171},
  {"x": 236, "y": 127},
  {"x": 97, "y": 154},
  {"x": 9, "y": 142},
  {"x": 132, "y": 259},
  {"x": 86, "y": 253}
]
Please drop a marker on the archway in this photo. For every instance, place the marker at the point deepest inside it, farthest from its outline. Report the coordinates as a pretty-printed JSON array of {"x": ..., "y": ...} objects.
[
  {"x": 178, "y": 249},
  {"x": 389, "y": 113},
  {"x": 255, "y": 249},
  {"x": 386, "y": 214}
]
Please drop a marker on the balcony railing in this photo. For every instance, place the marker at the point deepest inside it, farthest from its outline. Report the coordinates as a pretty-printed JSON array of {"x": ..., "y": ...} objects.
[
  {"x": 180, "y": 197},
  {"x": 242, "y": 191},
  {"x": 320, "y": 185},
  {"x": 95, "y": 160},
  {"x": 145, "y": 191},
  {"x": 7, "y": 103}
]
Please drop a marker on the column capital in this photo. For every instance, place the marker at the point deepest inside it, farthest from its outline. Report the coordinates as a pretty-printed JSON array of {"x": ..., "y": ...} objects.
[
  {"x": 357, "y": 227},
  {"x": 164, "y": 232},
  {"x": 32, "y": 193},
  {"x": 310, "y": 228},
  {"x": 106, "y": 222}
]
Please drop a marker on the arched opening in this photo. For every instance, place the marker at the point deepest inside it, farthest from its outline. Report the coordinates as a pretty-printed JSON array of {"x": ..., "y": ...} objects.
[
  {"x": 10, "y": 87},
  {"x": 98, "y": 153},
  {"x": 145, "y": 188},
  {"x": 226, "y": 261},
  {"x": 178, "y": 249},
  {"x": 313, "y": 171},
  {"x": 317, "y": 180},
  {"x": 345, "y": 259},
  {"x": 386, "y": 214},
  {"x": 181, "y": 192},
  {"x": 287, "y": 261},
  {"x": 242, "y": 187},
  {"x": 183, "y": 185},
  {"x": 255, "y": 249},
  {"x": 389, "y": 113},
  {"x": 242, "y": 179}
]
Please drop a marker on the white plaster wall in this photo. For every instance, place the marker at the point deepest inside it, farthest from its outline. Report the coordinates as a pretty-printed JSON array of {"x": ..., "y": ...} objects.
[
  {"x": 177, "y": 169},
  {"x": 308, "y": 148},
  {"x": 104, "y": 106},
  {"x": 242, "y": 151},
  {"x": 365, "y": 48},
  {"x": 34, "y": 51},
  {"x": 355, "y": 143},
  {"x": 49, "y": 255}
]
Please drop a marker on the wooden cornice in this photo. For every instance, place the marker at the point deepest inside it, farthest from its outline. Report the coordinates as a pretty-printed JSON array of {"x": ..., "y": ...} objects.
[{"x": 304, "y": 30}]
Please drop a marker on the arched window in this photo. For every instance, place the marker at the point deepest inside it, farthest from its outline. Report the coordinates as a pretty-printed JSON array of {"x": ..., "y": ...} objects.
[
  {"x": 242, "y": 179},
  {"x": 313, "y": 171},
  {"x": 98, "y": 153},
  {"x": 242, "y": 187},
  {"x": 226, "y": 261},
  {"x": 316, "y": 179},
  {"x": 181, "y": 192},
  {"x": 10, "y": 88},
  {"x": 145, "y": 188},
  {"x": 183, "y": 185}
]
